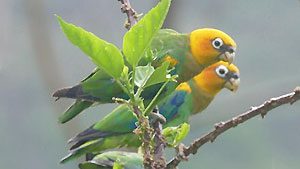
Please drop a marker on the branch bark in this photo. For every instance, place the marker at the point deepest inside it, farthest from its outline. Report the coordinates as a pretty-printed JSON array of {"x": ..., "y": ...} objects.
[
  {"x": 145, "y": 132},
  {"x": 152, "y": 159},
  {"x": 159, "y": 141},
  {"x": 144, "y": 129},
  {"x": 221, "y": 127},
  {"x": 132, "y": 17}
]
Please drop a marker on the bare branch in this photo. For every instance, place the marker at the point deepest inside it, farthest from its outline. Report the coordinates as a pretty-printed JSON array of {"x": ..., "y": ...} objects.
[
  {"x": 159, "y": 141},
  {"x": 132, "y": 17},
  {"x": 221, "y": 127},
  {"x": 145, "y": 132}
]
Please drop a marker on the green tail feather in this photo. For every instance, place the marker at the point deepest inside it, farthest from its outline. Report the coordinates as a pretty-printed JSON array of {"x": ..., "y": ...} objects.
[
  {"x": 74, "y": 110},
  {"x": 129, "y": 140},
  {"x": 85, "y": 148}
]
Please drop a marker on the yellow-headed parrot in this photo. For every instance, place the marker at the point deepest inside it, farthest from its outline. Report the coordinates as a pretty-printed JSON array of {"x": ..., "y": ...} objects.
[{"x": 116, "y": 129}]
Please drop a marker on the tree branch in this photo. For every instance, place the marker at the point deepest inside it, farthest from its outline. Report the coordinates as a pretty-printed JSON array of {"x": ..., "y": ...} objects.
[
  {"x": 145, "y": 132},
  {"x": 159, "y": 141},
  {"x": 152, "y": 159},
  {"x": 221, "y": 127},
  {"x": 132, "y": 17}
]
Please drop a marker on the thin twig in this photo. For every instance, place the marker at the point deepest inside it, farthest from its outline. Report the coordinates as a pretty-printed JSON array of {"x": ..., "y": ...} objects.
[
  {"x": 144, "y": 129},
  {"x": 151, "y": 159},
  {"x": 145, "y": 132},
  {"x": 221, "y": 127},
  {"x": 159, "y": 142},
  {"x": 132, "y": 17}
]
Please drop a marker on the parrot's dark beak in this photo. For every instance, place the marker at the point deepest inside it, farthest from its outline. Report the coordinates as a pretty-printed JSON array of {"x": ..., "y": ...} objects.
[
  {"x": 232, "y": 84},
  {"x": 228, "y": 54}
]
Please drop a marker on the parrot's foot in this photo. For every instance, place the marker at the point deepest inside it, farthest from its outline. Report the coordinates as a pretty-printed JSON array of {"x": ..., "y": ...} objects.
[
  {"x": 156, "y": 116},
  {"x": 180, "y": 151}
]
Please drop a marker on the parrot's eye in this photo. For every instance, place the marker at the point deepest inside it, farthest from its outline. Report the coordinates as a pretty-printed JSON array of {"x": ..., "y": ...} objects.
[
  {"x": 217, "y": 43},
  {"x": 221, "y": 71}
]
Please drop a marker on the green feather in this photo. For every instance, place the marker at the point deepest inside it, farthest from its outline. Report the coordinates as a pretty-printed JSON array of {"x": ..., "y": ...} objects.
[
  {"x": 74, "y": 110},
  {"x": 129, "y": 140}
]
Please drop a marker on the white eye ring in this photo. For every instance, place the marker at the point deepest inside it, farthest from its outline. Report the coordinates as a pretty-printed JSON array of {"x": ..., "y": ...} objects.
[
  {"x": 221, "y": 71},
  {"x": 217, "y": 43}
]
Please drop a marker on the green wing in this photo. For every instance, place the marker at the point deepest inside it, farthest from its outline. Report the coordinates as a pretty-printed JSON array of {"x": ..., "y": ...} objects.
[
  {"x": 74, "y": 110},
  {"x": 170, "y": 43},
  {"x": 121, "y": 120},
  {"x": 99, "y": 87},
  {"x": 129, "y": 140},
  {"x": 176, "y": 109}
]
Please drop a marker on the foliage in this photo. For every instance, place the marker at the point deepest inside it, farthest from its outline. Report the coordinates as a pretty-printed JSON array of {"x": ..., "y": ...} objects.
[
  {"x": 124, "y": 67},
  {"x": 105, "y": 55},
  {"x": 139, "y": 37},
  {"x": 174, "y": 135},
  {"x": 135, "y": 42}
]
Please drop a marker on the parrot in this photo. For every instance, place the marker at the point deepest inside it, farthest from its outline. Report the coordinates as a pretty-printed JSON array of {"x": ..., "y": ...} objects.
[
  {"x": 188, "y": 54},
  {"x": 116, "y": 129},
  {"x": 108, "y": 160}
]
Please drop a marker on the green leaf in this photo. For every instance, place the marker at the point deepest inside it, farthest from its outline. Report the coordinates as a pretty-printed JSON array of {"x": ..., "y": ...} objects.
[
  {"x": 159, "y": 75},
  {"x": 105, "y": 55},
  {"x": 146, "y": 75},
  {"x": 117, "y": 165},
  {"x": 139, "y": 37},
  {"x": 89, "y": 165},
  {"x": 117, "y": 160},
  {"x": 174, "y": 135},
  {"x": 142, "y": 74},
  {"x": 182, "y": 132}
]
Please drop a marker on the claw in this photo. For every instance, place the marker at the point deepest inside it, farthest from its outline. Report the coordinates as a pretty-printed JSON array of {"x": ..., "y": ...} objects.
[{"x": 156, "y": 116}]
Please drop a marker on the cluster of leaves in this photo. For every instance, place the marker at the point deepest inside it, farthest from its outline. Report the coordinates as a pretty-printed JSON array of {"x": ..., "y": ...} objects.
[
  {"x": 124, "y": 65},
  {"x": 136, "y": 44}
]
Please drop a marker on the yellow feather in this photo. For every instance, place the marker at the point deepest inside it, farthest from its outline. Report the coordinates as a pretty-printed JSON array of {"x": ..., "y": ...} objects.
[
  {"x": 201, "y": 47},
  {"x": 208, "y": 80},
  {"x": 185, "y": 87},
  {"x": 171, "y": 60}
]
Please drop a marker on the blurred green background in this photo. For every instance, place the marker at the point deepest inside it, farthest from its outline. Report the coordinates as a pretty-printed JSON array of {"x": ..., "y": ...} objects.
[{"x": 36, "y": 59}]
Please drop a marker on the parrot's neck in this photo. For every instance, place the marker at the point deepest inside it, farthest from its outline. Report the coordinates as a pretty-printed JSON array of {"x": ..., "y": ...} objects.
[
  {"x": 189, "y": 69},
  {"x": 201, "y": 97},
  {"x": 207, "y": 83},
  {"x": 179, "y": 55},
  {"x": 189, "y": 66}
]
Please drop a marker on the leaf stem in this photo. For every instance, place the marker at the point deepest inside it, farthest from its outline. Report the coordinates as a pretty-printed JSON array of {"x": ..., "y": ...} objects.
[
  {"x": 125, "y": 90},
  {"x": 153, "y": 101}
]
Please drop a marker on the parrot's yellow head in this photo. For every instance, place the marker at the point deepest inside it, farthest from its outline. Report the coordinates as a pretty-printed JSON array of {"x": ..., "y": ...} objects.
[
  {"x": 218, "y": 76},
  {"x": 209, "y": 46}
]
